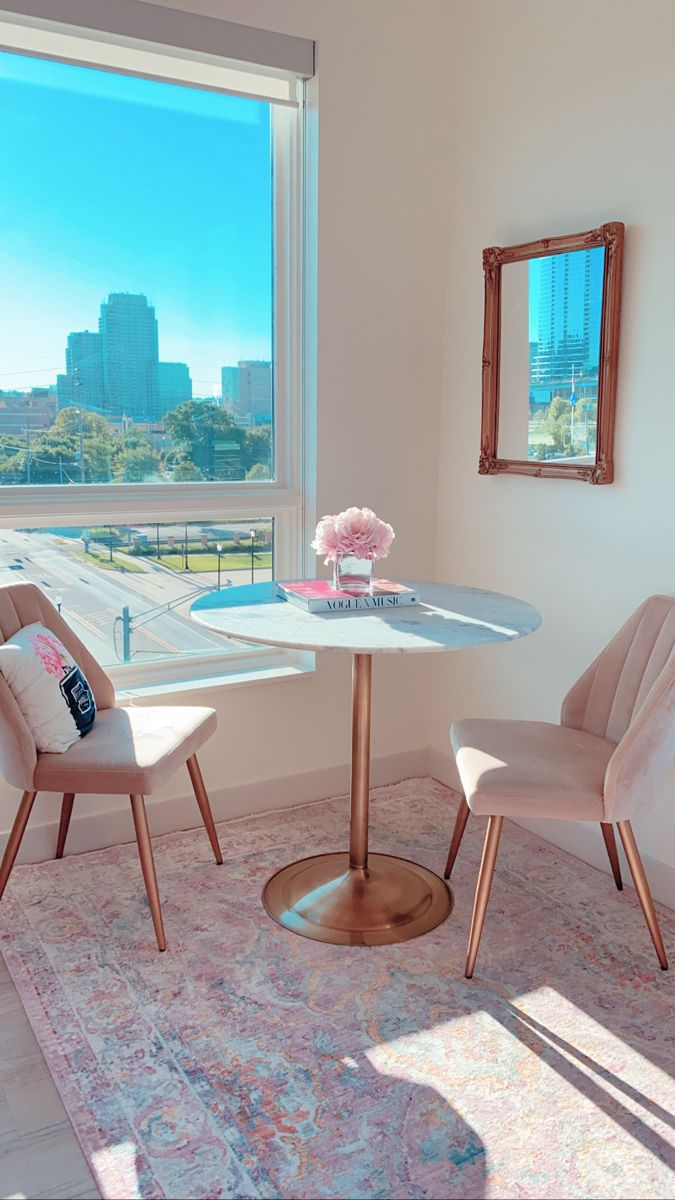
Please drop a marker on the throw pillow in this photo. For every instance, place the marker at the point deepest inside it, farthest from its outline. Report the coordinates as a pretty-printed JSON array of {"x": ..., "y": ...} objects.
[{"x": 49, "y": 687}]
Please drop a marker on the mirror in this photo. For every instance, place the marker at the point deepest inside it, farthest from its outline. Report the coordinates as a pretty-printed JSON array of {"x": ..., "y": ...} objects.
[{"x": 550, "y": 355}]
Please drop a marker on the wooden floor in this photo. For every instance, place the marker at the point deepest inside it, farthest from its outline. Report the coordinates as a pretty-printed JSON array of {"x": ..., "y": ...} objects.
[{"x": 40, "y": 1158}]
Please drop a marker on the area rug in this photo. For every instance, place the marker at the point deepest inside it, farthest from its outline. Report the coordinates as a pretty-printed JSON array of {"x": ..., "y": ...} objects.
[{"x": 248, "y": 1062}]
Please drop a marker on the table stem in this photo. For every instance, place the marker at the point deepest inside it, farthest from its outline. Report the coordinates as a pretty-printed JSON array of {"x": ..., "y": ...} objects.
[{"x": 361, "y": 690}]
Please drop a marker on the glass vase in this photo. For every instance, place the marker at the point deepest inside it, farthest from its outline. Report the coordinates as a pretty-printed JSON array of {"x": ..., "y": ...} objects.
[{"x": 353, "y": 575}]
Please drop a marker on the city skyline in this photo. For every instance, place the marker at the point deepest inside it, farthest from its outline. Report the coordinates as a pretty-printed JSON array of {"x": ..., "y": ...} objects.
[
  {"x": 116, "y": 371},
  {"x": 122, "y": 184}
]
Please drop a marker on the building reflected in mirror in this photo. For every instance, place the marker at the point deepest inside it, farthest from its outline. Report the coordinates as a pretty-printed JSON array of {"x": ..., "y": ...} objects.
[{"x": 565, "y": 314}]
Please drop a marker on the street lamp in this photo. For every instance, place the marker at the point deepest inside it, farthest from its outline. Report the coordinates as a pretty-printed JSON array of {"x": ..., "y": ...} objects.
[
  {"x": 185, "y": 554},
  {"x": 252, "y": 552},
  {"x": 219, "y": 548},
  {"x": 58, "y": 600}
]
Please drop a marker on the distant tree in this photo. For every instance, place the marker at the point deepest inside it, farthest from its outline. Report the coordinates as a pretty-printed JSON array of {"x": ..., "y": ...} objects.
[
  {"x": 134, "y": 464},
  {"x": 259, "y": 471},
  {"x": 53, "y": 455},
  {"x": 198, "y": 431},
  {"x": 558, "y": 408},
  {"x": 185, "y": 471},
  {"x": 257, "y": 450}
]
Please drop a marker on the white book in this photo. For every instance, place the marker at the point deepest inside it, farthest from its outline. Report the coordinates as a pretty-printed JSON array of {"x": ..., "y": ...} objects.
[{"x": 319, "y": 595}]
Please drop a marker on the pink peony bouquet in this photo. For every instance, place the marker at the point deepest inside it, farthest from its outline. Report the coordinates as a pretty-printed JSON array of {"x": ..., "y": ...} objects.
[{"x": 355, "y": 531}]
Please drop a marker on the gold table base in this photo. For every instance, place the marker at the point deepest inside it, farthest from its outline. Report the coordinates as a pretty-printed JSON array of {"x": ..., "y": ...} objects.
[
  {"x": 390, "y": 900},
  {"x": 358, "y": 899}
]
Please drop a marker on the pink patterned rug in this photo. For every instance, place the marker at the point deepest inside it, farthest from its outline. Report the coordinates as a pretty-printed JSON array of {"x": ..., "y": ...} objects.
[{"x": 247, "y": 1062}]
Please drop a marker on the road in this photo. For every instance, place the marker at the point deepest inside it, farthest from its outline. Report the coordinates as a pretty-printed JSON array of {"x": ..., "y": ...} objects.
[{"x": 93, "y": 598}]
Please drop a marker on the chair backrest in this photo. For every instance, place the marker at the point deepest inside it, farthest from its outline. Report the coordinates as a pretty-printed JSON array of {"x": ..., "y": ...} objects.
[
  {"x": 628, "y": 696},
  {"x": 610, "y": 694},
  {"x": 23, "y": 604}
]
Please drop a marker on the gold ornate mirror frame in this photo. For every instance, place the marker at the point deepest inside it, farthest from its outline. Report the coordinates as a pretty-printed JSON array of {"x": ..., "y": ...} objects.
[{"x": 610, "y": 236}]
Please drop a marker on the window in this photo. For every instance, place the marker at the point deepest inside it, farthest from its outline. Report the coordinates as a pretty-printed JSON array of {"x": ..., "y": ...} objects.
[{"x": 151, "y": 362}]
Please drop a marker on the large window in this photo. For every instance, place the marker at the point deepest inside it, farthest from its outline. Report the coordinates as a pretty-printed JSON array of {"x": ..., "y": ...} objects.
[
  {"x": 137, "y": 264},
  {"x": 150, "y": 353}
]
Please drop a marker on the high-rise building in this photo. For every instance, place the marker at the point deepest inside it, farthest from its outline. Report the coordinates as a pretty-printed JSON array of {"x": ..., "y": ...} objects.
[
  {"x": 230, "y": 388},
  {"x": 568, "y": 288},
  {"x": 83, "y": 380},
  {"x": 255, "y": 391},
  {"x": 175, "y": 385},
  {"x": 130, "y": 350}
]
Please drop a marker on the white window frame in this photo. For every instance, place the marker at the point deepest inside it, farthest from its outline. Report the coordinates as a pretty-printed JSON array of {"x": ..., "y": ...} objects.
[{"x": 288, "y": 498}]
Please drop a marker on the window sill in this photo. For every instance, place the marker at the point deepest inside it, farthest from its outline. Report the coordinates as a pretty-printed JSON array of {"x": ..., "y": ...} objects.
[{"x": 295, "y": 666}]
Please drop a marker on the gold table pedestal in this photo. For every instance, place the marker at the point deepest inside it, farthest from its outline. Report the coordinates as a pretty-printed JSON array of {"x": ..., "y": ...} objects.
[{"x": 353, "y": 899}]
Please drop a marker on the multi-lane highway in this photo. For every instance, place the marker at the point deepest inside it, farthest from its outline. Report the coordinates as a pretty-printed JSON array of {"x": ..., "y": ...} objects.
[{"x": 92, "y": 599}]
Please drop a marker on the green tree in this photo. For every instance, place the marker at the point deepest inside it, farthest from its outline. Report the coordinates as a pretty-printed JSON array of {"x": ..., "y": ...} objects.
[
  {"x": 185, "y": 471},
  {"x": 258, "y": 451},
  {"x": 206, "y": 435},
  {"x": 259, "y": 471},
  {"x": 134, "y": 464},
  {"x": 77, "y": 446}
]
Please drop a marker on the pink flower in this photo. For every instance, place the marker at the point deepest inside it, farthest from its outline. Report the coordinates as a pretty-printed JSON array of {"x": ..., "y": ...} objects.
[
  {"x": 325, "y": 541},
  {"x": 356, "y": 531}
]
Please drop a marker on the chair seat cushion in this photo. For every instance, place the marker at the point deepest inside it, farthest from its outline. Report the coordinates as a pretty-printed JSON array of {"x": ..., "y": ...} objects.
[
  {"x": 531, "y": 769},
  {"x": 129, "y": 751}
]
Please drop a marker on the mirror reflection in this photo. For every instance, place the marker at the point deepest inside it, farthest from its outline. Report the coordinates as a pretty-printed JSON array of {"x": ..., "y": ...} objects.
[{"x": 551, "y": 315}]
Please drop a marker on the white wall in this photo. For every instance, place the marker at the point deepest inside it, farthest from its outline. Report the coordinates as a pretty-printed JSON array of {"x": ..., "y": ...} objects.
[
  {"x": 563, "y": 119},
  {"x": 382, "y": 212}
]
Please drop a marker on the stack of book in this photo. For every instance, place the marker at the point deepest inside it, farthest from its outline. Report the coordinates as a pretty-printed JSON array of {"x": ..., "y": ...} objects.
[{"x": 319, "y": 595}]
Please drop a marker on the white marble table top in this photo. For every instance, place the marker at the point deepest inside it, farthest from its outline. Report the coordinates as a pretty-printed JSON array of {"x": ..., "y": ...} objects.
[{"x": 449, "y": 618}]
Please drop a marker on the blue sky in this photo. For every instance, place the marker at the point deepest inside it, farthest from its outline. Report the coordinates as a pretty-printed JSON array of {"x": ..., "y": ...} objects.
[{"x": 116, "y": 184}]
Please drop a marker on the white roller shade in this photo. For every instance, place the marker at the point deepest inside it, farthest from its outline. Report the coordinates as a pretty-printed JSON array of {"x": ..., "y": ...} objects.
[{"x": 239, "y": 60}]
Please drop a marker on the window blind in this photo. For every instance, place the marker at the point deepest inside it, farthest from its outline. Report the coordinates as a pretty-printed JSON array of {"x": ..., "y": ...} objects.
[{"x": 138, "y": 38}]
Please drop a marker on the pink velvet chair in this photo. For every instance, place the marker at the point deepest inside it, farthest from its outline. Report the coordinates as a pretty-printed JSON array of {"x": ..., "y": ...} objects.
[
  {"x": 129, "y": 751},
  {"x": 615, "y": 741}
]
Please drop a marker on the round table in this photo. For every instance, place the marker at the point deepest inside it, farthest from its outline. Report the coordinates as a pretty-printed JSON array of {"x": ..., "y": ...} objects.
[{"x": 355, "y": 898}]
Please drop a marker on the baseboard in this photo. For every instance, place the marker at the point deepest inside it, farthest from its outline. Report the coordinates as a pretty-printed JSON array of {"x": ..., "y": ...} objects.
[
  {"x": 583, "y": 840},
  {"x": 93, "y": 831}
]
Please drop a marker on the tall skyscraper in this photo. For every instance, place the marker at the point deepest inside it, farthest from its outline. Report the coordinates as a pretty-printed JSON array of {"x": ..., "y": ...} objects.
[
  {"x": 230, "y": 388},
  {"x": 568, "y": 292},
  {"x": 255, "y": 390},
  {"x": 175, "y": 385},
  {"x": 130, "y": 349},
  {"x": 83, "y": 380}
]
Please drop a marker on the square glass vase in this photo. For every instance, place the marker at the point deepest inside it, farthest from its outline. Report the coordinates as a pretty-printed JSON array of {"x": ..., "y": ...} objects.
[{"x": 353, "y": 575}]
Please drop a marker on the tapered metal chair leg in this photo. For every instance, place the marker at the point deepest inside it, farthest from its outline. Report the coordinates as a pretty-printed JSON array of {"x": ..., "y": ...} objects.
[
  {"x": 461, "y": 819},
  {"x": 15, "y": 837},
  {"x": 642, "y": 888},
  {"x": 612, "y": 852},
  {"x": 148, "y": 866},
  {"x": 204, "y": 806},
  {"x": 487, "y": 870},
  {"x": 66, "y": 813}
]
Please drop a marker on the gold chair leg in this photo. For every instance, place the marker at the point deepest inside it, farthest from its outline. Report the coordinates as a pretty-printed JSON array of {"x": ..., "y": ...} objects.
[
  {"x": 487, "y": 870},
  {"x": 14, "y": 840},
  {"x": 204, "y": 806},
  {"x": 461, "y": 819},
  {"x": 66, "y": 813},
  {"x": 148, "y": 866},
  {"x": 612, "y": 852},
  {"x": 642, "y": 888}
]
